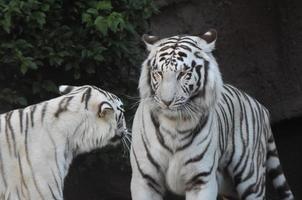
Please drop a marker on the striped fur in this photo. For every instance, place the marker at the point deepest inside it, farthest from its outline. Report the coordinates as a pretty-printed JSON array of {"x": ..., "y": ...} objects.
[
  {"x": 38, "y": 143},
  {"x": 193, "y": 135}
]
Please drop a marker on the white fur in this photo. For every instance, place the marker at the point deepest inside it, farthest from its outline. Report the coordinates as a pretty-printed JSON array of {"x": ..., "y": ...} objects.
[
  {"x": 150, "y": 183},
  {"x": 52, "y": 143}
]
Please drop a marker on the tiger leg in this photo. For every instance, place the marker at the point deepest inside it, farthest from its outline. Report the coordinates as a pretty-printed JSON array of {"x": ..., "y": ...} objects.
[
  {"x": 143, "y": 190},
  {"x": 250, "y": 182},
  {"x": 208, "y": 191},
  {"x": 145, "y": 183}
]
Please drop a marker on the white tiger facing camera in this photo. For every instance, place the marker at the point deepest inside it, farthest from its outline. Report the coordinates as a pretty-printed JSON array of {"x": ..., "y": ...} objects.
[
  {"x": 38, "y": 143},
  {"x": 195, "y": 136}
]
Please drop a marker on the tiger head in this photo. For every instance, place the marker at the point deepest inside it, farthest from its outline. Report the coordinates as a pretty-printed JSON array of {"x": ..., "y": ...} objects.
[
  {"x": 99, "y": 115},
  {"x": 180, "y": 74}
]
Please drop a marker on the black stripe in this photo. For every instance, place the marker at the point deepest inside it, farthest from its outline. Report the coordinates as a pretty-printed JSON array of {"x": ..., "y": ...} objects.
[
  {"x": 55, "y": 152},
  {"x": 86, "y": 96},
  {"x": 32, "y": 112},
  {"x": 21, "y": 120},
  {"x": 198, "y": 179},
  {"x": 190, "y": 44},
  {"x": 197, "y": 130},
  {"x": 168, "y": 43},
  {"x": 62, "y": 108},
  {"x": 158, "y": 133},
  {"x": 238, "y": 176},
  {"x": 2, "y": 169},
  {"x": 59, "y": 188},
  {"x": 12, "y": 133},
  {"x": 52, "y": 193},
  {"x": 241, "y": 111},
  {"x": 149, "y": 156},
  {"x": 231, "y": 108},
  {"x": 144, "y": 129},
  {"x": 182, "y": 54},
  {"x": 284, "y": 191},
  {"x": 201, "y": 93},
  {"x": 196, "y": 54},
  {"x": 248, "y": 191},
  {"x": 28, "y": 159},
  {"x": 272, "y": 153},
  {"x": 21, "y": 172},
  {"x": 200, "y": 156},
  {"x": 183, "y": 38},
  {"x": 67, "y": 90},
  {"x": 184, "y": 47},
  {"x": 275, "y": 172},
  {"x": 150, "y": 180},
  {"x": 164, "y": 48},
  {"x": 43, "y": 112},
  {"x": 229, "y": 89},
  {"x": 7, "y": 118}
]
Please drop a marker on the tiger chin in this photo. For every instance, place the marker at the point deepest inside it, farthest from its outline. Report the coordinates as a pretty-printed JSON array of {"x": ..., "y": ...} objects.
[
  {"x": 38, "y": 143},
  {"x": 195, "y": 136}
]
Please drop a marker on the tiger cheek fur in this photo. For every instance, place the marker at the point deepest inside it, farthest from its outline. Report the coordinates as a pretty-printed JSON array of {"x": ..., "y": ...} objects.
[
  {"x": 194, "y": 135},
  {"x": 38, "y": 143}
]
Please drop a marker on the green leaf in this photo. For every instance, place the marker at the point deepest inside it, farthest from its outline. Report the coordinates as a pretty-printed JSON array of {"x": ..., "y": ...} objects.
[
  {"x": 45, "y": 7},
  {"x": 86, "y": 18},
  {"x": 23, "y": 68},
  {"x": 92, "y": 11},
  {"x": 6, "y": 22},
  {"x": 101, "y": 25},
  {"x": 98, "y": 57},
  {"x": 104, "y": 5},
  {"x": 39, "y": 17}
]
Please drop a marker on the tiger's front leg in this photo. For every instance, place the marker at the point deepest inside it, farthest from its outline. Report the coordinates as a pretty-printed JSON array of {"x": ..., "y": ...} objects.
[
  {"x": 146, "y": 184},
  {"x": 208, "y": 191},
  {"x": 144, "y": 190}
]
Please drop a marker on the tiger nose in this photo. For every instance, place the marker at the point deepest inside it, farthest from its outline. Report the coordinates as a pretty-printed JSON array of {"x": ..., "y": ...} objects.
[{"x": 167, "y": 103}]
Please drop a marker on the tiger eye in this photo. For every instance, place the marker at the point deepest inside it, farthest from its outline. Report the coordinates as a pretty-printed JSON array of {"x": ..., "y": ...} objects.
[{"x": 181, "y": 74}]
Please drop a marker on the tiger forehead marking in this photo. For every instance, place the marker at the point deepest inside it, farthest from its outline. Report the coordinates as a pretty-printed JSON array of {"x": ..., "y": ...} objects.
[{"x": 174, "y": 54}]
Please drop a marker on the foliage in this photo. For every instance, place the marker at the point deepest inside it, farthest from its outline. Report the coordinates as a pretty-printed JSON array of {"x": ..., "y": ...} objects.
[{"x": 51, "y": 42}]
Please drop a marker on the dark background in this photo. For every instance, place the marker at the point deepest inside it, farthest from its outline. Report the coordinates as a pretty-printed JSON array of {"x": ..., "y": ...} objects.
[{"x": 259, "y": 50}]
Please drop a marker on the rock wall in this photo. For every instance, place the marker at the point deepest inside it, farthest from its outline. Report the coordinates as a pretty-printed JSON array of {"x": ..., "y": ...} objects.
[{"x": 258, "y": 47}]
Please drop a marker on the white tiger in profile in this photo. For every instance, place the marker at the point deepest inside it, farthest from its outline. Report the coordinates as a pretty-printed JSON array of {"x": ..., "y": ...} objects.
[
  {"x": 38, "y": 143},
  {"x": 195, "y": 136}
]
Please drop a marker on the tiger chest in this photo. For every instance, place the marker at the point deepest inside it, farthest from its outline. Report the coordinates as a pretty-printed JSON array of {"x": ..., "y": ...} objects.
[{"x": 175, "y": 176}]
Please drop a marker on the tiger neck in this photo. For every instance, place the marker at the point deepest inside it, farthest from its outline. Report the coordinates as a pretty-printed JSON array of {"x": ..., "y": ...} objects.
[
  {"x": 176, "y": 132},
  {"x": 180, "y": 123}
]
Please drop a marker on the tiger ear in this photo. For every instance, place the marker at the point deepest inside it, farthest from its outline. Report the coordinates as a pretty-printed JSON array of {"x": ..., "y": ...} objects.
[
  {"x": 65, "y": 89},
  {"x": 210, "y": 38},
  {"x": 105, "y": 109},
  {"x": 150, "y": 40}
]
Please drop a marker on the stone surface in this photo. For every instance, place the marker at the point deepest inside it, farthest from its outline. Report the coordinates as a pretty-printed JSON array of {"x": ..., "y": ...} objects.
[{"x": 258, "y": 49}]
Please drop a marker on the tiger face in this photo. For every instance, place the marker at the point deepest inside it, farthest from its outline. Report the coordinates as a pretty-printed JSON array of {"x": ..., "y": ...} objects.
[
  {"x": 180, "y": 74},
  {"x": 102, "y": 116}
]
